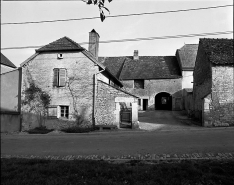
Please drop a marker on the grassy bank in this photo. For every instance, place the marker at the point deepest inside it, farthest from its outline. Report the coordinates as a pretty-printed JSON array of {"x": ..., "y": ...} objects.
[{"x": 38, "y": 171}]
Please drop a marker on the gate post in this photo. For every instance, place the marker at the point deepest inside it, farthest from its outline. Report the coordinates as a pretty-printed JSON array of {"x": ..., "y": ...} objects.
[
  {"x": 135, "y": 115},
  {"x": 117, "y": 114}
]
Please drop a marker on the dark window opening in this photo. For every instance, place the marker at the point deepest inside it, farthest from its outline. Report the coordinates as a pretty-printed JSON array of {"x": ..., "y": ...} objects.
[
  {"x": 145, "y": 104},
  {"x": 139, "y": 101},
  {"x": 139, "y": 84},
  {"x": 64, "y": 111}
]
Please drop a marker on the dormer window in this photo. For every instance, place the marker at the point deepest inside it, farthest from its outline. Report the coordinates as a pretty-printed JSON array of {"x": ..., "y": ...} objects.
[
  {"x": 139, "y": 84},
  {"x": 60, "y": 56}
]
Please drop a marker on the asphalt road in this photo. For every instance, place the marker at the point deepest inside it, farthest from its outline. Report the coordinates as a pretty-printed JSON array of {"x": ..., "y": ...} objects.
[{"x": 212, "y": 140}]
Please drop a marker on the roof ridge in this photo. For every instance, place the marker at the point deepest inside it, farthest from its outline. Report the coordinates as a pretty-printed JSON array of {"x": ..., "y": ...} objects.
[
  {"x": 50, "y": 43},
  {"x": 73, "y": 45},
  {"x": 121, "y": 68},
  {"x": 73, "y": 42}
]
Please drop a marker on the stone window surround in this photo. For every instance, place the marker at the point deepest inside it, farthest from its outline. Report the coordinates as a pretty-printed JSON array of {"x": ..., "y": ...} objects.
[{"x": 57, "y": 113}]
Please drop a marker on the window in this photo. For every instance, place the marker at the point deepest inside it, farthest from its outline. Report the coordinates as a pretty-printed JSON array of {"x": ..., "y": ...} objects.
[
  {"x": 139, "y": 84},
  {"x": 139, "y": 101},
  {"x": 59, "y": 77},
  {"x": 52, "y": 112},
  {"x": 64, "y": 111}
]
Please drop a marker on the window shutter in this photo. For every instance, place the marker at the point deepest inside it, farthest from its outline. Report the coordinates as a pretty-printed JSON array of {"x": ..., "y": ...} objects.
[
  {"x": 52, "y": 112},
  {"x": 55, "y": 82},
  {"x": 62, "y": 77}
]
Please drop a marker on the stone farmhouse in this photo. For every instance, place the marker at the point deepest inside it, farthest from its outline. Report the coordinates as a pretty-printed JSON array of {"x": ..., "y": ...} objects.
[
  {"x": 80, "y": 87},
  {"x": 213, "y": 87},
  {"x": 157, "y": 80}
]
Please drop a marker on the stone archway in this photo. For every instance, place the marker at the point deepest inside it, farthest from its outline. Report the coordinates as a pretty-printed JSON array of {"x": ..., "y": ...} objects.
[{"x": 163, "y": 101}]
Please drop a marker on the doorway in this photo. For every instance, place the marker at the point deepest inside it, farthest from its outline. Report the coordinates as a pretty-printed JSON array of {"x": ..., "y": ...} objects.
[
  {"x": 163, "y": 101},
  {"x": 145, "y": 104}
]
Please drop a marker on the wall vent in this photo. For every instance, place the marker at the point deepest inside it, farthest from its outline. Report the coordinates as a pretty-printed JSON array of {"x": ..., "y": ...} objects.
[{"x": 60, "y": 55}]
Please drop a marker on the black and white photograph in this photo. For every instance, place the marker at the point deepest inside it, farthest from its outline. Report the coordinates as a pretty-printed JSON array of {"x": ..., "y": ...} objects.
[{"x": 117, "y": 92}]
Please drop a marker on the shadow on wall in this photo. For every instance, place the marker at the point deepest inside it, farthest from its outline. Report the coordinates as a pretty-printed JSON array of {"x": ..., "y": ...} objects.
[{"x": 177, "y": 100}]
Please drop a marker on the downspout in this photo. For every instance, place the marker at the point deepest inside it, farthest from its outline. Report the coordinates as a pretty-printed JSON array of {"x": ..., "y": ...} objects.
[{"x": 94, "y": 96}]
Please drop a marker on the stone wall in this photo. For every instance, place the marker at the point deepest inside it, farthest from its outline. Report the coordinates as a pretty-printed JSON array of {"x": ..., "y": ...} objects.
[
  {"x": 153, "y": 87},
  {"x": 78, "y": 91},
  {"x": 202, "y": 82},
  {"x": 187, "y": 79},
  {"x": 188, "y": 103},
  {"x": 219, "y": 106},
  {"x": 10, "y": 104},
  {"x": 105, "y": 112}
]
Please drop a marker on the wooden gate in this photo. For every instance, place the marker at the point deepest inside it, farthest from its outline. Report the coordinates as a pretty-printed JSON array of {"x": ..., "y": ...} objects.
[{"x": 126, "y": 119}]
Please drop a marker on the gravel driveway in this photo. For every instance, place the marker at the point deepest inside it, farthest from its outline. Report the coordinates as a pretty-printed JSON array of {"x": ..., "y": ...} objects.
[{"x": 165, "y": 120}]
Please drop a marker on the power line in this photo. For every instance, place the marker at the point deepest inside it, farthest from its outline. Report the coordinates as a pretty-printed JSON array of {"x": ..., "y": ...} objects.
[
  {"x": 136, "y": 39},
  {"x": 114, "y": 16}
]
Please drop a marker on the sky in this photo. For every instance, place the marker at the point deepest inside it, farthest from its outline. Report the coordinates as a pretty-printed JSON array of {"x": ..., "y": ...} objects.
[{"x": 156, "y": 25}]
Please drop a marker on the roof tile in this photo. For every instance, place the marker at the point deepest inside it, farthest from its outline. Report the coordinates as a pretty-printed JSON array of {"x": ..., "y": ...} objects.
[
  {"x": 147, "y": 67},
  {"x": 219, "y": 51},
  {"x": 187, "y": 55},
  {"x": 62, "y": 44}
]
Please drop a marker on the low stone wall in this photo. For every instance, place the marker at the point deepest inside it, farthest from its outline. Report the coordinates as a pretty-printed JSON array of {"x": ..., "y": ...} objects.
[
  {"x": 10, "y": 122},
  {"x": 59, "y": 124},
  {"x": 217, "y": 114}
]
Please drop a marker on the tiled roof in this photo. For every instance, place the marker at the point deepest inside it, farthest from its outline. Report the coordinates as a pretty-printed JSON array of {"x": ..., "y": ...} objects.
[
  {"x": 114, "y": 64},
  {"x": 219, "y": 51},
  {"x": 187, "y": 56},
  {"x": 6, "y": 61},
  {"x": 147, "y": 67},
  {"x": 89, "y": 55},
  {"x": 151, "y": 67},
  {"x": 62, "y": 44}
]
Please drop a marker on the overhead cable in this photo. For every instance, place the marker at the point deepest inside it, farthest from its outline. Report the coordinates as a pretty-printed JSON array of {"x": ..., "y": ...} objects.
[
  {"x": 114, "y": 16},
  {"x": 137, "y": 39}
]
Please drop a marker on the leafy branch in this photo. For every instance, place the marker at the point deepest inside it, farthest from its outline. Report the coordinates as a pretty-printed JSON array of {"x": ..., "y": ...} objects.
[{"x": 101, "y": 6}]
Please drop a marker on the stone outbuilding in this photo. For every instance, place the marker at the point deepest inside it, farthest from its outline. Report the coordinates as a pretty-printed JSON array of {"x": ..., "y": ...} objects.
[
  {"x": 6, "y": 65},
  {"x": 82, "y": 90},
  {"x": 10, "y": 96},
  {"x": 156, "y": 80},
  {"x": 213, "y": 88},
  {"x": 186, "y": 57}
]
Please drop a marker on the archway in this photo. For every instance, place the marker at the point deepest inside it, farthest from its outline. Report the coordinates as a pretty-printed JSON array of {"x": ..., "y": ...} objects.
[{"x": 163, "y": 101}]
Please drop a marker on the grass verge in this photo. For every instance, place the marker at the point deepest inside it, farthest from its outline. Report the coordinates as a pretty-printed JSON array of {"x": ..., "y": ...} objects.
[{"x": 38, "y": 171}]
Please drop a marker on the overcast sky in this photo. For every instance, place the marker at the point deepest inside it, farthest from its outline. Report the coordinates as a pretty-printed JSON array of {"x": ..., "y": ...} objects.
[{"x": 202, "y": 21}]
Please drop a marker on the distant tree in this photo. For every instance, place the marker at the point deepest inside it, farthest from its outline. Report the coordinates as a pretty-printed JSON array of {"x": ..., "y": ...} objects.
[{"x": 101, "y": 6}]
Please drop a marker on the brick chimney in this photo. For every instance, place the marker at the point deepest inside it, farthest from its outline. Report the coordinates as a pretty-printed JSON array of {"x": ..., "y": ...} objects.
[
  {"x": 94, "y": 43},
  {"x": 135, "y": 55}
]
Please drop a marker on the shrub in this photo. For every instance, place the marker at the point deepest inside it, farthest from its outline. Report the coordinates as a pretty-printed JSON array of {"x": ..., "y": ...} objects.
[
  {"x": 78, "y": 129},
  {"x": 40, "y": 130}
]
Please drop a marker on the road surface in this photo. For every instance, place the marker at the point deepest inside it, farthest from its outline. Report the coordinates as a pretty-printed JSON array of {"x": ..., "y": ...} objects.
[{"x": 214, "y": 140}]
